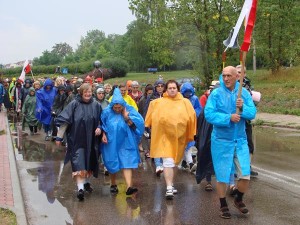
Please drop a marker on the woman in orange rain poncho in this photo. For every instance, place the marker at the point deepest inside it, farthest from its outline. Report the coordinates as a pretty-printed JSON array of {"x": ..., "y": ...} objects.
[{"x": 172, "y": 120}]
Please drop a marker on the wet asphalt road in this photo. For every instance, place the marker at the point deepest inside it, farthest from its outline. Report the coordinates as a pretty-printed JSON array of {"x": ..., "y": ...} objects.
[{"x": 50, "y": 193}]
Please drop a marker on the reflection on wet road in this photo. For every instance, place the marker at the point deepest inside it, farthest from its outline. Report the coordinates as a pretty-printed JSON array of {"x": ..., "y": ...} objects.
[{"x": 50, "y": 193}]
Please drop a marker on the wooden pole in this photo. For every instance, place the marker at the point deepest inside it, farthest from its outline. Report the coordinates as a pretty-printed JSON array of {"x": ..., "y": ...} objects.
[
  {"x": 241, "y": 78},
  {"x": 32, "y": 75}
]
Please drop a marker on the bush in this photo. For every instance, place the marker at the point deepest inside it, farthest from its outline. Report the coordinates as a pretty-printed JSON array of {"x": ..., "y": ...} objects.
[{"x": 119, "y": 67}]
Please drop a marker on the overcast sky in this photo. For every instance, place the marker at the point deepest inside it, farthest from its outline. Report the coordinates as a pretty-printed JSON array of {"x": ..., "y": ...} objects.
[{"x": 28, "y": 27}]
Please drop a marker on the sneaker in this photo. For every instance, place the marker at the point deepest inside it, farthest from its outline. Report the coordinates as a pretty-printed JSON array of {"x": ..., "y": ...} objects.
[
  {"x": 114, "y": 189},
  {"x": 106, "y": 173},
  {"x": 47, "y": 138},
  {"x": 88, "y": 188},
  {"x": 80, "y": 195},
  {"x": 159, "y": 170},
  {"x": 193, "y": 167},
  {"x": 224, "y": 213},
  {"x": 169, "y": 194},
  {"x": 131, "y": 190},
  {"x": 253, "y": 173},
  {"x": 241, "y": 207},
  {"x": 208, "y": 187},
  {"x": 174, "y": 190}
]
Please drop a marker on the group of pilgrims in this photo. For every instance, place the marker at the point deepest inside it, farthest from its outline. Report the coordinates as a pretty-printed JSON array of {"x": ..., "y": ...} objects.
[{"x": 115, "y": 125}]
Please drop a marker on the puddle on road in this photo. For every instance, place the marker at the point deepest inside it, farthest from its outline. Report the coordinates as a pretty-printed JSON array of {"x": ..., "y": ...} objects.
[
  {"x": 51, "y": 192},
  {"x": 40, "y": 165},
  {"x": 277, "y": 149}
]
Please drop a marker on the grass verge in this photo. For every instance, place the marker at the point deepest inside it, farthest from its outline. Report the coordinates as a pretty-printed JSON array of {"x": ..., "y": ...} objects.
[{"x": 7, "y": 217}]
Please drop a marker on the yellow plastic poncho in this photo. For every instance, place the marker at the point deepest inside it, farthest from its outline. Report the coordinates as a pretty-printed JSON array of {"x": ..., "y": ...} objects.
[
  {"x": 128, "y": 100},
  {"x": 173, "y": 125}
]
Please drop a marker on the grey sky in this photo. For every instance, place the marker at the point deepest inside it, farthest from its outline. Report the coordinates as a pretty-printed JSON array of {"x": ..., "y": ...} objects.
[{"x": 29, "y": 27}]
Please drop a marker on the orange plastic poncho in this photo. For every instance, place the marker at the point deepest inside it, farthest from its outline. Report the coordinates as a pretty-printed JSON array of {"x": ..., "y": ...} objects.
[{"x": 173, "y": 125}]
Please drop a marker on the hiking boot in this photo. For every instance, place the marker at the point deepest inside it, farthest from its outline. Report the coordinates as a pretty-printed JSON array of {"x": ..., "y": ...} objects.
[
  {"x": 80, "y": 195},
  {"x": 224, "y": 213},
  {"x": 131, "y": 190},
  {"x": 88, "y": 188},
  {"x": 159, "y": 170},
  {"x": 241, "y": 207},
  {"x": 169, "y": 194},
  {"x": 114, "y": 189}
]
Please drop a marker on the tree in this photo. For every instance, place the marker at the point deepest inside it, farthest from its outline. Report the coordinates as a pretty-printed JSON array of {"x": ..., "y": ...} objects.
[
  {"x": 199, "y": 26},
  {"x": 277, "y": 33},
  {"x": 62, "y": 49},
  {"x": 136, "y": 51},
  {"x": 47, "y": 58}
]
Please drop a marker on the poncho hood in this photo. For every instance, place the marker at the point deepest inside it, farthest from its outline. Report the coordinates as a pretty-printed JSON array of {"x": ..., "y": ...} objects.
[
  {"x": 117, "y": 98},
  {"x": 187, "y": 87},
  {"x": 48, "y": 82}
]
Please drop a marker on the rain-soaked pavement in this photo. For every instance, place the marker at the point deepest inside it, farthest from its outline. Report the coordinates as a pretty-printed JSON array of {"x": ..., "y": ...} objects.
[{"x": 50, "y": 193}]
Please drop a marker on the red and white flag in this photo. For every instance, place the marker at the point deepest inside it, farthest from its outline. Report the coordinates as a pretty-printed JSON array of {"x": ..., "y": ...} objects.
[
  {"x": 26, "y": 69},
  {"x": 249, "y": 14}
]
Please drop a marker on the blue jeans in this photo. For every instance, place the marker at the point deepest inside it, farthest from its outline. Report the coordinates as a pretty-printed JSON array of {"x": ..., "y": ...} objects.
[{"x": 158, "y": 162}]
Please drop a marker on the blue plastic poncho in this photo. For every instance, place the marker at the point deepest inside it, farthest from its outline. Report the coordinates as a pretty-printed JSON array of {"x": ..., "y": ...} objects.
[
  {"x": 44, "y": 102},
  {"x": 188, "y": 91},
  {"x": 226, "y": 135},
  {"x": 121, "y": 151}
]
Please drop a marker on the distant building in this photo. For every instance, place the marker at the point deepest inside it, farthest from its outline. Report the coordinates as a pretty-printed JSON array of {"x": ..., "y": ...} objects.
[{"x": 17, "y": 64}]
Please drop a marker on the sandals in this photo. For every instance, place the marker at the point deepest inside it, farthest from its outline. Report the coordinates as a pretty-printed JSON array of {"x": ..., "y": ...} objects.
[
  {"x": 224, "y": 213},
  {"x": 147, "y": 155},
  {"x": 241, "y": 207},
  {"x": 208, "y": 187}
]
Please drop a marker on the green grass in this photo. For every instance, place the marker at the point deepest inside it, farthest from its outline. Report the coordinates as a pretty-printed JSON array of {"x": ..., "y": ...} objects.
[
  {"x": 7, "y": 217},
  {"x": 280, "y": 92},
  {"x": 150, "y": 78}
]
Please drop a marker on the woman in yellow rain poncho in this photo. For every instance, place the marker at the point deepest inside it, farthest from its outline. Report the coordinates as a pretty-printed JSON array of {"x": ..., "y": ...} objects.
[{"x": 172, "y": 120}]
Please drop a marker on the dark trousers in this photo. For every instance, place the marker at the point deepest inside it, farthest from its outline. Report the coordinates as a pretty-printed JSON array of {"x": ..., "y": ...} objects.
[{"x": 249, "y": 136}]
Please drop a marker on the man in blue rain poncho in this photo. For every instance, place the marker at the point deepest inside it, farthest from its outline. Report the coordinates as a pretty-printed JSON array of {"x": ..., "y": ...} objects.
[
  {"x": 122, "y": 128},
  {"x": 229, "y": 147}
]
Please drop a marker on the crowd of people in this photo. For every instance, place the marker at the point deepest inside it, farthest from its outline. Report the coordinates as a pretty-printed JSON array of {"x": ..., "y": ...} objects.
[{"x": 113, "y": 125}]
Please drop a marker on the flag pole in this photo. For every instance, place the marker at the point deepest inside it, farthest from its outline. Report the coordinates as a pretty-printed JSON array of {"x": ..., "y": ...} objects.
[
  {"x": 244, "y": 54},
  {"x": 32, "y": 75}
]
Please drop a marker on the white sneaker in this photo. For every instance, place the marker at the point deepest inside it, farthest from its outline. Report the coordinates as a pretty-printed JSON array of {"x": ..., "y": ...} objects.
[
  {"x": 169, "y": 194},
  {"x": 174, "y": 190},
  {"x": 159, "y": 170}
]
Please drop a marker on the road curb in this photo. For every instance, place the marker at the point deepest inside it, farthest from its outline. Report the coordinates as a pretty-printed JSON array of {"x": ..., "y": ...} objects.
[{"x": 18, "y": 208}]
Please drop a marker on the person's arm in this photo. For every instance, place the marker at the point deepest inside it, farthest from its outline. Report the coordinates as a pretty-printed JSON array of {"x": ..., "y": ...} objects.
[
  {"x": 60, "y": 133},
  {"x": 127, "y": 119}
]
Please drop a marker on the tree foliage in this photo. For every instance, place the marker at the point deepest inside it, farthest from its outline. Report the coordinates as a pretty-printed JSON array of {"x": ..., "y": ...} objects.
[{"x": 185, "y": 34}]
